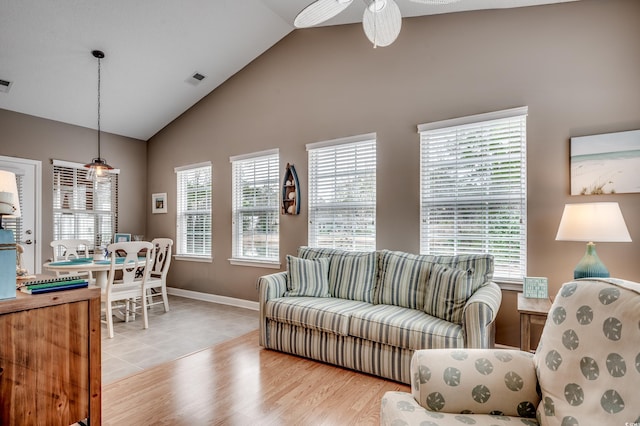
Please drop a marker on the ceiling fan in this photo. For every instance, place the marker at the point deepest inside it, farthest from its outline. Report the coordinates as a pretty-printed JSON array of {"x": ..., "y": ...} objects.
[{"x": 381, "y": 20}]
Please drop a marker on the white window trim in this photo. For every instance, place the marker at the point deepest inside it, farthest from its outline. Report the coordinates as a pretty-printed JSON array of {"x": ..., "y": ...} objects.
[
  {"x": 272, "y": 264},
  {"x": 243, "y": 261},
  {"x": 75, "y": 165},
  {"x": 191, "y": 257},
  {"x": 342, "y": 141},
  {"x": 461, "y": 121}
]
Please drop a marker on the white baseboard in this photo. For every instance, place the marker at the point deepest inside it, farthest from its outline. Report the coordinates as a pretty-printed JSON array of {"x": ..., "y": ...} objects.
[{"x": 224, "y": 300}]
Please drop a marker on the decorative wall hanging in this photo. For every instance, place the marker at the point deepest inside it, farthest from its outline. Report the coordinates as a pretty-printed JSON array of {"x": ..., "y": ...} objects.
[
  {"x": 159, "y": 202},
  {"x": 605, "y": 164},
  {"x": 290, "y": 191}
]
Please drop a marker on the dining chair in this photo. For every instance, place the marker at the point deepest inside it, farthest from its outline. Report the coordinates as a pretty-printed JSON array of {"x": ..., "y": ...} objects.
[
  {"x": 130, "y": 288},
  {"x": 156, "y": 285},
  {"x": 69, "y": 249}
]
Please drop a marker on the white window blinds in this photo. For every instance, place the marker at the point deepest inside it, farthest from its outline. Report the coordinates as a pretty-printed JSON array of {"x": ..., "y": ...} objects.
[
  {"x": 83, "y": 209},
  {"x": 194, "y": 211},
  {"x": 473, "y": 189},
  {"x": 342, "y": 193},
  {"x": 255, "y": 206}
]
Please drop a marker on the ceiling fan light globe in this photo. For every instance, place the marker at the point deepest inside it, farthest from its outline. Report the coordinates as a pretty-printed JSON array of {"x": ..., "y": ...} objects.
[{"x": 377, "y": 5}]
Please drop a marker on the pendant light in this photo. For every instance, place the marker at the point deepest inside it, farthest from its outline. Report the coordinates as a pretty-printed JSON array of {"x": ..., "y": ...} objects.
[{"x": 98, "y": 169}]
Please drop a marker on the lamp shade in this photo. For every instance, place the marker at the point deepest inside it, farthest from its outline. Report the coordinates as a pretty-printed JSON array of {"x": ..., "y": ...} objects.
[
  {"x": 593, "y": 222},
  {"x": 9, "y": 199}
]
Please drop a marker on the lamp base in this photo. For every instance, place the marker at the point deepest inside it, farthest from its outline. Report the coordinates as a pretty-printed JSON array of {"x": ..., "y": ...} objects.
[{"x": 590, "y": 266}]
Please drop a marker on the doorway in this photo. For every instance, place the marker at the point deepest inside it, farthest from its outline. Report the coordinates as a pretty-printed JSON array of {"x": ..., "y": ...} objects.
[{"x": 27, "y": 227}]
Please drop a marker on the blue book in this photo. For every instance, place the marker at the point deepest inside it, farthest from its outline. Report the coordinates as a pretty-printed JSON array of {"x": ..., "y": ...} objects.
[{"x": 54, "y": 287}]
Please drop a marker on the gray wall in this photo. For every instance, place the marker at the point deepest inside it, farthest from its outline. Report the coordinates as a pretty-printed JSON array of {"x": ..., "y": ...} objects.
[
  {"x": 25, "y": 136},
  {"x": 575, "y": 66}
]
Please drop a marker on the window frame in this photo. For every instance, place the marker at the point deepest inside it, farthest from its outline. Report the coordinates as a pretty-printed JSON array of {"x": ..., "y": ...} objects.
[
  {"x": 320, "y": 153},
  {"x": 183, "y": 212},
  {"x": 79, "y": 185},
  {"x": 510, "y": 265},
  {"x": 269, "y": 159}
]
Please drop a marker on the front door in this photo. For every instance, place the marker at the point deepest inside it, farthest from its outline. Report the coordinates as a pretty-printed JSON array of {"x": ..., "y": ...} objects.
[{"x": 28, "y": 174}]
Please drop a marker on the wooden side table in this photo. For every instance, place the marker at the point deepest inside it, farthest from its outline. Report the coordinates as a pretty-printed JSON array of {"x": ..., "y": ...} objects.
[{"x": 532, "y": 311}]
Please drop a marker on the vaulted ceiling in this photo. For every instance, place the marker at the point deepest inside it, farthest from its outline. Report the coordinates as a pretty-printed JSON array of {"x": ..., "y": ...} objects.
[{"x": 153, "y": 48}]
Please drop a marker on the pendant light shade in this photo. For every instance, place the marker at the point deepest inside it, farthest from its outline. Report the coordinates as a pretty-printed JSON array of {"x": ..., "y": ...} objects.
[{"x": 98, "y": 169}]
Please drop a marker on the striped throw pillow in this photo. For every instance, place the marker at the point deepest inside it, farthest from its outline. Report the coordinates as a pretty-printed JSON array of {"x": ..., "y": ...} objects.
[
  {"x": 402, "y": 279},
  {"x": 480, "y": 266},
  {"x": 352, "y": 274},
  {"x": 307, "y": 277},
  {"x": 447, "y": 292}
]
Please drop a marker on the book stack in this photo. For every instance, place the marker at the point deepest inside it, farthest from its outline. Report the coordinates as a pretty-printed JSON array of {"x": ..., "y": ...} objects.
[{"x": 49, "y": 284}]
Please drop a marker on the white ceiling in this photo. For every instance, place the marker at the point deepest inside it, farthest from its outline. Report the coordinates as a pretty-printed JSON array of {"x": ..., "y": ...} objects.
[{"x": 152, "y": 49}]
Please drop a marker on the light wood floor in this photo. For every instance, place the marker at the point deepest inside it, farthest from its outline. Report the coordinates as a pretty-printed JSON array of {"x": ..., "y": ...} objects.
[{"x": 240, "y": 383}]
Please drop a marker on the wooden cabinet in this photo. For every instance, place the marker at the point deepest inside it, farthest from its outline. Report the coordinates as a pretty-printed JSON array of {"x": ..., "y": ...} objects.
[{"x": 50, "y": 372}]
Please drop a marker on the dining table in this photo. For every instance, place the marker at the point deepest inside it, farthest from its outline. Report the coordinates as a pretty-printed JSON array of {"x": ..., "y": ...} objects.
[{"x": 98, "y": 268}]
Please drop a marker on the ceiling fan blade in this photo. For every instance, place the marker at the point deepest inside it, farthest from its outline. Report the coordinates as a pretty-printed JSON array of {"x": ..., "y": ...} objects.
[
  {"x": 382, "y": 21},
  {"x": 435, "y": 1},
  {"x": 320, "y": 11}
]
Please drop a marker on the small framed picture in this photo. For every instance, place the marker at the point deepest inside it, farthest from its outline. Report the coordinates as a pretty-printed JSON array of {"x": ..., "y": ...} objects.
[
  {"x": 121, "y": 238},
  {"x": 159, "y": 202},
  {"x": 536, "y": 288}
]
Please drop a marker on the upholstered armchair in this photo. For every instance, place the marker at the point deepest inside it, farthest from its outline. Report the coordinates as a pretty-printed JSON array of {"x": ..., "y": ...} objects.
[{"x": 586, "y": 370}]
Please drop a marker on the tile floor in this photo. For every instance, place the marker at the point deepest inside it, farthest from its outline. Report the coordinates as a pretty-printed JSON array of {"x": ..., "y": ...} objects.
[{"x": 189, "y": 326}]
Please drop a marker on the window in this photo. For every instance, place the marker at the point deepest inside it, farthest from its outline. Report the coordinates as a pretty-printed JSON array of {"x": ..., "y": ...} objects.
[
  {"x": 256, "y": 183},
  {"x": 83, "y": 209},
  {"x": 193, "y": 227},
  {"x": 15, "y": 223},
  {"x": 473, "y": 189},
  {"x": 342, "y": 193}
]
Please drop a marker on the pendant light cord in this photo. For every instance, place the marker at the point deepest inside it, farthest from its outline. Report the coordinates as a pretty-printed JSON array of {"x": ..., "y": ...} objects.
[{"x": 99, "y": 81}]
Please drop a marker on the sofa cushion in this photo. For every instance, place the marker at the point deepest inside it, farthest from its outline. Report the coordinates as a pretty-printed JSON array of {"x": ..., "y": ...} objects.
[
  {"x": 404, "y": 328},
  {"x": 318, "y": 313},
  {"x": 480, "y": 265},
  {"x": 402, "y": 279},
  {"x": 307, "y": 277},
  {"x": 352, "y": 275},
  {"x": 447, "y": 292},
  {"x": 588, "y": 359}
]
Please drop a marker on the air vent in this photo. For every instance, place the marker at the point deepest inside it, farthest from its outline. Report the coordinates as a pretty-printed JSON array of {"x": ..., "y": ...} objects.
[
  {"x": 5, "y": 85},
  {"x": 196, "y": 78}
]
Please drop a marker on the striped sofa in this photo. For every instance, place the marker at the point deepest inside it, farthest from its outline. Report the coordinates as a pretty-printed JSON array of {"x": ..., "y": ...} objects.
[{"x": 369, "y": 311}]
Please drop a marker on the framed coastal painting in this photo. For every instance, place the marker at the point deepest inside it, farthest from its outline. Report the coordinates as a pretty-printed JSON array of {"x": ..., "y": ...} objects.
[
  {"x": 605, "y": 164},
  {"x": 159, "y": 203}
]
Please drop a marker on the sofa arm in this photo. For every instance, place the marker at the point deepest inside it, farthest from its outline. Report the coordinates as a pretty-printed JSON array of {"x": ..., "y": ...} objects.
[
  {"x": 479, "y": 315},
  {"x": 480, "y": 381},
  {"x": 270, "y": 287},
  {"x": 399, "y": 408}
]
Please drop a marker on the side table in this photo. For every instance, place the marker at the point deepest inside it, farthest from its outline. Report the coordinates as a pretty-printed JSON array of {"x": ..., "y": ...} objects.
[{"x": 532, "y": 311}]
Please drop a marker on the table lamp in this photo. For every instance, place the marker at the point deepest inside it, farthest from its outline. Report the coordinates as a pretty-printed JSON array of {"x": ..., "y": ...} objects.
[
  {"x": 592, "y": 222},
  {"x": 9, "y": 206}
]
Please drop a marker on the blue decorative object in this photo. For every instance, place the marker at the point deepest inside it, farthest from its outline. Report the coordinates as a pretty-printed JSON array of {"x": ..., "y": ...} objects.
[
  {"x": 7, "y": 264},
  {"x": 590, "y": 265}
]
